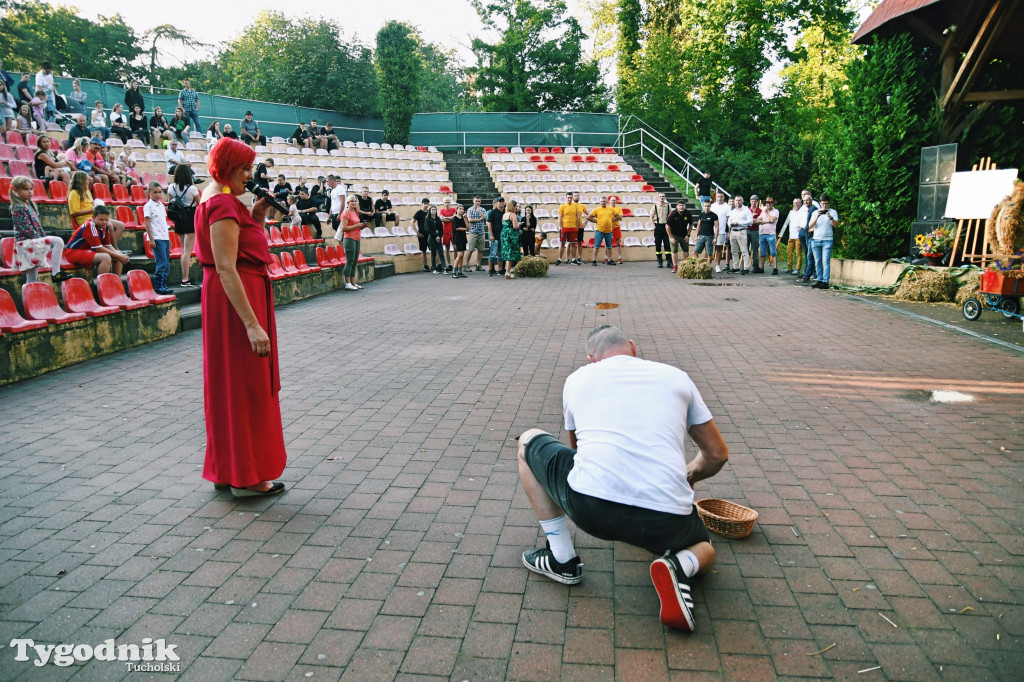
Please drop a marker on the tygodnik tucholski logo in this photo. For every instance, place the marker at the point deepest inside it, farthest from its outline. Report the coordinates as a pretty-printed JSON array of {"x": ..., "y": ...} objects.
[{"x": 150, "y": 656}]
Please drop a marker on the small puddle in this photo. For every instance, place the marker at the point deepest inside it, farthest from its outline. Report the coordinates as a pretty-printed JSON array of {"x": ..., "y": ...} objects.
[
  {"x": 929, "y": 396},
  {"x": 601, "y": 306},
  {"x": 716, "y": 284}
]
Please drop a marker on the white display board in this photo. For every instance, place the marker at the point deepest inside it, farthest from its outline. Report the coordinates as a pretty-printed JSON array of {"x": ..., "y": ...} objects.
[{"x": 973, "y": 194}]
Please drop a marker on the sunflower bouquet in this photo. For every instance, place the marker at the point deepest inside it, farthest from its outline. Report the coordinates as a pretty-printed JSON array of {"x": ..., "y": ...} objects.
[{"x": 936, "y": 242}]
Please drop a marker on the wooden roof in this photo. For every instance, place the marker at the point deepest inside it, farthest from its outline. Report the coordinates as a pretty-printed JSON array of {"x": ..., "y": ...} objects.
[{"x": 887, "y": 11}]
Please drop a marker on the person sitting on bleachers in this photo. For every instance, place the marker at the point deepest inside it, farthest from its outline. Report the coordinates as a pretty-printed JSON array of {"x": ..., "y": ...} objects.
[
  {"x": 307, "y": 211},
  {"x": 121, "y": 164},
  {"x": 23, "y": 90},
  {"x": 97, "y": 157},
  {"x": 93, "y": 244},
  {"x": 119, "y": 124},
  {"x": 38, "y": 106},
  {"x": 228, "y": 132},
  {"x": 282, "y": 189},
  {"x": 24, "y": 120},
  {"x": 249, "y": 131},
  {"x": 213, "y": 133},
  {"x": 78, "y": 130},
  {"x": 77, "y": 98},
  {"x": 49, "y": 165},
  {"x": 180, "y": 124},
  {"x": 300, "y": 137},
  {"x": 331, "y": 136},
  {"x": 174, "y": 157},
  {"x": 383, "y": 210},
  {"x": 320, "y": 194},
  {"x": 79, "y": 160},
  {"x": 32, "y": 245},
  {"x": 99, "y": 122},
  {"x": 159, "y": 128}
]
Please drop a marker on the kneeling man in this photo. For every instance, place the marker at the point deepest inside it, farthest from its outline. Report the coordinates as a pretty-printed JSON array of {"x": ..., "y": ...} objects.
[{"x": 624, "y": 475}]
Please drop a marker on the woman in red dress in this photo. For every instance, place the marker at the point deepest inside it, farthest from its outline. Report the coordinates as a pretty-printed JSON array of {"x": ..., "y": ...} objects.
[{"x": 244, "y": 437}]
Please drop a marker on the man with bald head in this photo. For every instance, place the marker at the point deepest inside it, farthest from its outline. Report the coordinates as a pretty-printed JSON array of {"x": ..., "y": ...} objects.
[{"x": 624, "y": 475}]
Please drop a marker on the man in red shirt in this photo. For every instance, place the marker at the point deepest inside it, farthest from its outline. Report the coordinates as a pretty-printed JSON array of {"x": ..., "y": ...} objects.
[
  {"x": 446, "y": 213},
  {"x": 93, "y": 244}
]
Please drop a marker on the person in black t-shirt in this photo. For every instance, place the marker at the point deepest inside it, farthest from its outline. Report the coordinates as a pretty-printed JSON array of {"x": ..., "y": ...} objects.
[
  {"x": 707, "y": 228},
  {"x": 366, "y": 207},
  {"x": 382, "y": 210},
  {"x": 704, "y": 187},
  {"x": 282, "y": 189},
  {"x": 419, "y": 221},
  {"x": 435, "y": 230},
  {"x": 460, "y": 230},
  {"x": 307, "y": 211},
  {"x": 262, "y": 174},
  {"x": 300, "y": 137},
  {"x": 494, "y": 218},
  {"x": 679, "y": 222}
]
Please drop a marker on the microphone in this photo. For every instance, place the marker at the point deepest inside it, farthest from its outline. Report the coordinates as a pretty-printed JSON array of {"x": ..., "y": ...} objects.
[{"x": 258, "y": 190}]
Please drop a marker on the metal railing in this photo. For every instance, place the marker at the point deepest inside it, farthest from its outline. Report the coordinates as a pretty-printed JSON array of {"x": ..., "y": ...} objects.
[
  {"x": 496, "y": 138},
  {"x": 634, "y": 133}
]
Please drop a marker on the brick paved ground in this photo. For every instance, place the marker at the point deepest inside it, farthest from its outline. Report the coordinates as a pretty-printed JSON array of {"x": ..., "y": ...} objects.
[{"x": 395, "y": 552}]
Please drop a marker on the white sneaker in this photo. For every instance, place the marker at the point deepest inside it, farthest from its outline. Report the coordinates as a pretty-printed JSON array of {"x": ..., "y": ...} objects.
[
  {"x": 718, "y": 269},
  {"x": 351, "y": 287},
  {"x": 358, "y": 286}
]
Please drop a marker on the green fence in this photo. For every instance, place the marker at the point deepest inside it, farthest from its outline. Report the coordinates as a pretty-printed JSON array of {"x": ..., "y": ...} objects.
[
  {"x": 472, "y": 130},
  {"x": 277, "y": 120}
]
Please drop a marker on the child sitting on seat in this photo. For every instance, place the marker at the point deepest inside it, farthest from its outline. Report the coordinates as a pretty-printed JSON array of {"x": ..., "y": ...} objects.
[{"x": 32, "y": 246}]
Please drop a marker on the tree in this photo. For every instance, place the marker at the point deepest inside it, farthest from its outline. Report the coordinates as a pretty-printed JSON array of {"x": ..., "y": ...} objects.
[
  {"x": 399, "y": 68},
  {"x": 444, "y": 86},
  {"x": 537, "y": 63},
  {"x": 300, "y": 61},
  {"x": 33, "y": 31},
  {"x": 868, "y": 159},
  {"x": 170, "y": 33}
]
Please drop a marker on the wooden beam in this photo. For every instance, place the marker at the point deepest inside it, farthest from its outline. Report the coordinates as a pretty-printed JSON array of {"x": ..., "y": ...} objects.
[
  {"x": 981, "y": 60},
  {"x": 971, "y": 53},
  {"x": 994, "y": 96},
  {"x": 924, "y": 29},
  {"x": 969, "y": 120}
]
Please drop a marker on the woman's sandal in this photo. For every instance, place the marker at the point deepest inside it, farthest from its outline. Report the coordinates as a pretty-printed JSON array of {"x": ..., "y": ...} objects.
[{"x": 275, "y": 489}]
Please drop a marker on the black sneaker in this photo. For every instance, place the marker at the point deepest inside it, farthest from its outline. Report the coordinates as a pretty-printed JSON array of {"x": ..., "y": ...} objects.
[
  {"x": 611, "y": 262},
  {"x": 595, "y": 263},
  {"x": 61, "y": 277},
  {"x": 542, "y": 561},
  {"x": 491, "y": 273},
  {"x": 775, "y": 271},
  {"x": 674, "y": 593},
  {"x": 558, "y": 261},
  {"x": 660, "y": 265},
  {"x": 448, "y": 269},
  {"x": 426, "y": 268},
  {"x": 743, "y": 272}
]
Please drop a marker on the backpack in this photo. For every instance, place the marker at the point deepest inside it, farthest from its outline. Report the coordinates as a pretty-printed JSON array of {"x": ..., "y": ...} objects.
[{"x": 178, "y": 211}]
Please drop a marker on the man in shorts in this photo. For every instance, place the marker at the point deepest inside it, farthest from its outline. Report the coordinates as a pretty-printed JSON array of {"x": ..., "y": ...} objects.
[
  {"x": 567, "y": 226},
  {"x": 419, "y": 221},
  {"x": 613, "y": 202},
  {"x": 603, "y": 218},
  {"x": 721, "y": 209},
  {"x": 624, "y": 475},
  {"x": 767, "y": 223},
  {"x": 581, "y": 222},
  {"x": 476, "y": 216},
  {"x": 94, "y": 244},
  {"x": 707, "y": 228},
  {"x": 446, "y": 213}
]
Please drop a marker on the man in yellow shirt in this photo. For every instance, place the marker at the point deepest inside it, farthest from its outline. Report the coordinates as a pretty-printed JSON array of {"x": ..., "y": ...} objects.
[
  {"x": 604, "y": 216},
  {"x": 616, "y": 225},
  {"x": 570, "y": 216}
]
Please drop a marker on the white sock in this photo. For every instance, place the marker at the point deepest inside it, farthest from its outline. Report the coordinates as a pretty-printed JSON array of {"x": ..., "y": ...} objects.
[
  {"x": 688, "y": 560},
  {"x": 557, "y": 532}
]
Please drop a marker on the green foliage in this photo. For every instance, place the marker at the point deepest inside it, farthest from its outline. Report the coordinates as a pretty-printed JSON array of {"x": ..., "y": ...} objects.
[
  {"x": 443, "y": 86},
  {"x": 399, "y": 69},
  {"x": 300, "y": 61},
  {"x": 33, "y": 31},
  {"x": 537, "y": 63},
  {"x": 869, "y": 153}
]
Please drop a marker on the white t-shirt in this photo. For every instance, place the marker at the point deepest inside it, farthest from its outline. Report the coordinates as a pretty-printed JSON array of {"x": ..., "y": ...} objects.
[
  {"x": 722, "y": 211},
  {"x": 631, "y": 419},
  {"x": 337, "y": 199},
  {"x": 157, "y": 214}
]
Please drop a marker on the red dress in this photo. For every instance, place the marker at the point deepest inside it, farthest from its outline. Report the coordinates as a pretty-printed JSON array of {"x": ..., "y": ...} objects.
[{"x": 244, "y": 437}]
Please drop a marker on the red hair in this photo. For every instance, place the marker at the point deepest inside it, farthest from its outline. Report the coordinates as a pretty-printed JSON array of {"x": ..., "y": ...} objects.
[{"x": 227, "y": 156}]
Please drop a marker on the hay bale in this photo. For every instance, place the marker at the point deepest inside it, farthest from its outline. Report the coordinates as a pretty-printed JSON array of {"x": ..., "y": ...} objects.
[
  {"x": 691, "y": 268},
  {"x": 968, "y": 288},
  {"x": 531, "y": 266},
  {"x": 929, "y": 286}
]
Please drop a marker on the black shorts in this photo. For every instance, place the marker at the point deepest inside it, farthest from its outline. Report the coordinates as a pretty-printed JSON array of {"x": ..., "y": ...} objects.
[
  {"x": 656, "y": 531},
  {"x": 424, "y": 245},
  {"x": 460, "y": 241}
]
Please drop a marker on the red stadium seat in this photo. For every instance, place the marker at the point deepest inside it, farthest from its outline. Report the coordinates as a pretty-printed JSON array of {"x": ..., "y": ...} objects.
[
  {"x": 58, "y": 192},
  {"x": 647, "y": 188},
  {"x": 19, "y": 168},
  {"x": 25, "y": 154},
  {"x": 544, "y": 150},
  {"x": 488, "y": 150},
  {"x": 31, "y": 140},
  {"x": 613, "y": 168},
  {"x": 307, "y": 235},
  {"x": 5, "y": 190},
  {"x": 147, "y": 178},
  {"x": 609, "y": 150},
  {"x": 557, "y": 150},
  {"x": 121, "y": 195},
  {"x": 14, "y": 138},
  {"x": 111, "y": 292},
  {"x": 161, "y": 178},
  {"x": 421, "y": 149},
  {"x": 549, "y": 159},
  {"x": 300, "y": 263},
  {"x": 590, "y": 243},
  {"x": 445, "y": 189},
  {"x": 140, "y": 287},
  {"x": 336, "y": 256},
  {"x": 40, "y": 196},
  {"x": 78, "y": 298},
  {"x": 617, "y": 198},
  {"x": 11, "y": 320},
  {"x": 288, "y": 265},
  {"x": 101, "y": 191},
  {"x": 175, "y": 244},
  {"x": 138, "y": 195},
  {"x": 529, "y": 150},
  {"x": 590, "y": 159},
  {"x": 503, "y": 150},
  {"x": 7, "y": 252},
  {"x": 322, "y": 259},
  {"x": 365, "y": 259},
  {"x": 7, "y": 153},
  {"x": 577, "y": 159},
  {"x": 595, "y": 150},
  {"x": 125, "y": 215},
  {"x": 147, "y": 247},
  {"x": 274, "y": 268},
  {"x": 275, "y": 236},
  {"x": 535, "y": 158},
  {"x": 141, "y": 215},
  {"x": 627, "y": 212},
  {"x": 543, "y": 167},
  {"x": 286, "y": 235},
  {"x": 636, "y": 178},
  {"x": 41, "y": 304}
]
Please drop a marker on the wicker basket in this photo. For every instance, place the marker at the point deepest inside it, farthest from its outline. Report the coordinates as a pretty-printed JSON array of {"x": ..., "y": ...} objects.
[{"x": 726, "y": 518}]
